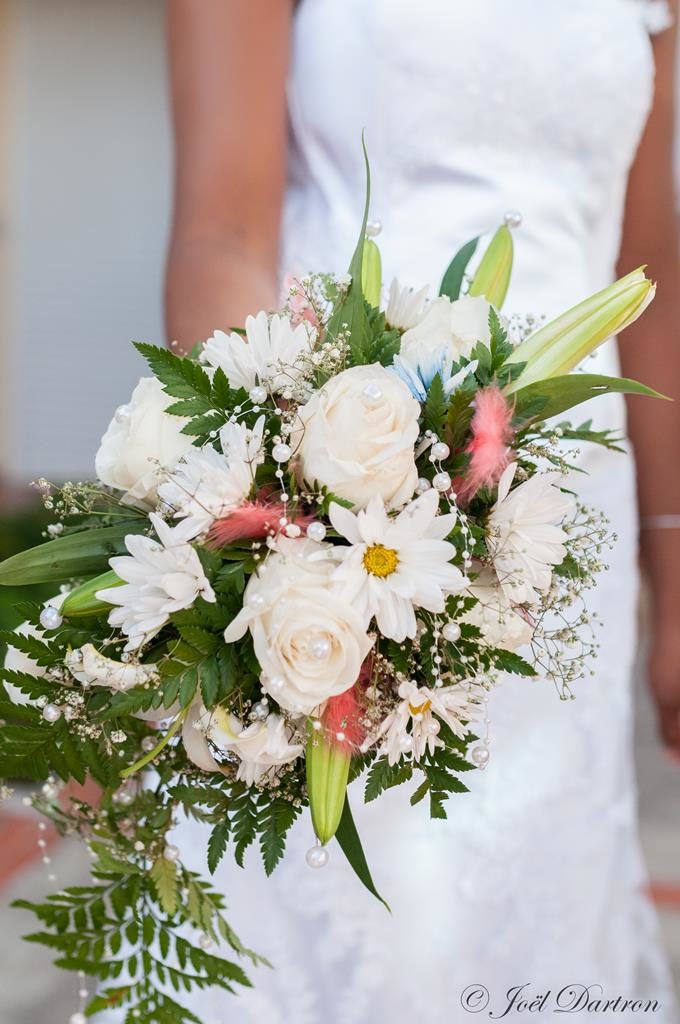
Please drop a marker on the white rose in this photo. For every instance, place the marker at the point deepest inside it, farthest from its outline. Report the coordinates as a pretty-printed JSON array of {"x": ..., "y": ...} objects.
[
  {"x": 449, "y": 327},
  {"x": 309, "y": 642},
  {"x": 359, "y": 432},
  {"x": 500, "y": 625},
  {"x": 141, "y": 442},
  {"x": 263, "y": 747}
]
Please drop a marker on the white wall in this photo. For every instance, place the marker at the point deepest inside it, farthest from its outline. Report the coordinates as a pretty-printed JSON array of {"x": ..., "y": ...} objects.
[{"x": 88, "y": 164}]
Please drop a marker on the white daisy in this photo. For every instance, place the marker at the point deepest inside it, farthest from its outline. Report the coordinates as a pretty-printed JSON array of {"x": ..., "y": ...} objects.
[
  {"x": 524, "y": 538},
  {"x": 269, "y": 354},
  {"x": 394, "y": 565},
  {"x": 160, "y": 578},
  {"x": 414, "y": 726},
  {"x": 207, "y": 484},
  {"x": 405, "y": 306}
]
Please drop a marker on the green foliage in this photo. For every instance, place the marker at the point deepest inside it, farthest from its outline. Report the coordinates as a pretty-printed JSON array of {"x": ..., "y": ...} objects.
[
  {"x": 547, "y": 398},
  {"x": 382, "y": 775},
  {"x": 436, "y": 407},
  {"x": 129, "y": 931},
  {"x": 452, "y": 281},
  {"x": 85, "y": 553},
  {"x": 206, "y": 403}
]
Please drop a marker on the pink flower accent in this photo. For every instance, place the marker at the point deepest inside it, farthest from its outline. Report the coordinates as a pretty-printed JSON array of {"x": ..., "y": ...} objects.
[
  {"x": 490, "y": 445},
  {"x": 253, "y": 521},
  {"x": 301, "y": 309},
  {"x": 343, "y": 713}
]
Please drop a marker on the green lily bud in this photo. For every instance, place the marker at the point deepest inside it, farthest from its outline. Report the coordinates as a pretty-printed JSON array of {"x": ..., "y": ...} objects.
[
  {"x": 563, "y": 343},
  {"x": 327, "y": 773},
  {"x": 371, "y": 272},
  {"x": 492, "y": 277},
  {"x": 82, "y": 601}
]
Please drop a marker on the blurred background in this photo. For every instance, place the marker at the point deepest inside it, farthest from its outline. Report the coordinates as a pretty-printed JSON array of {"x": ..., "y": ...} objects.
[{"x": 84, "y": 201}]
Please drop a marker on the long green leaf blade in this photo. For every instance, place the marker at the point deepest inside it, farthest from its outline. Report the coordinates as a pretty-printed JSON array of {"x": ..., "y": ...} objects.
[
  {"x": 452, "y": 281},
  {"x": 546, "y": 398},
  {"x": 78, "y": 554},
  {"x": 350, "y": 843}
]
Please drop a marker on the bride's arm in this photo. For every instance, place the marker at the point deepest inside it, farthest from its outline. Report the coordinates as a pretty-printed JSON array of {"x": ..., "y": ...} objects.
[
  {"x": 228, "y": 63},
  {"x": 650, "y": 351}
]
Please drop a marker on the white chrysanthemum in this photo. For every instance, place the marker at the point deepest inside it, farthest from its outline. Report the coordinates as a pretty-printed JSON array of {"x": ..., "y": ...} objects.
[
  {"x": 263, "y": 747},
  {"x": 160, "y": 578},
  {"x": 494, "y": 614},
  {"x": 207, "y": 484},
  {"x": 524, "y": 537},
  {"x": 405, "y": 306},
  {"x": 268, "y": 355},
  {"x": 422, "y": 709},
  {"x": 90, "y": 666},
  {"x": 395, "y": 565}
]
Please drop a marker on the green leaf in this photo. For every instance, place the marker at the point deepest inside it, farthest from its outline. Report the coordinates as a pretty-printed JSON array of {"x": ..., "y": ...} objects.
[
  {"x": 350, "y": 843},
  {"x": 350, "y": 313},
  {"x": 436, "y": 406},
  {"x": 452, "y": 281},
  {"x": 86, "y": 553},
  {"x": 382, "y": 775},
  {"x": 180, "y": 377},
  {"x": 217, "y": 845},
  {"x": 166, "y": 883},
  {"x": 547, "y": 398}
]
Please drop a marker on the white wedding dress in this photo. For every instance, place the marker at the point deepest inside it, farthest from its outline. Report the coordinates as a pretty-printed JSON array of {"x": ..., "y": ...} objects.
[{"x": 472, "y": 108}]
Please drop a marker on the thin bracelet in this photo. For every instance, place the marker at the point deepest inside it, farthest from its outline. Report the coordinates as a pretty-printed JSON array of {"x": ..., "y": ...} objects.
[{"x": 667, "y": 522}]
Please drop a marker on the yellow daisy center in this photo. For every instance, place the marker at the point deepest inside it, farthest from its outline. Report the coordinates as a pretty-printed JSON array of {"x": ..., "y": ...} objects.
[
  {"x": 380, "y": 561},
  {"x": 420, "y": 709}
]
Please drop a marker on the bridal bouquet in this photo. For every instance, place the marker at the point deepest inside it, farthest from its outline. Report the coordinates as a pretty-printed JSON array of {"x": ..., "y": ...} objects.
[{"x": 312, "y": 549}]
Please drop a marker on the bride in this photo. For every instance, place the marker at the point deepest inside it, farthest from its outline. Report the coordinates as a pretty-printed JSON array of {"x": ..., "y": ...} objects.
[{"x": 471, "y": 109}]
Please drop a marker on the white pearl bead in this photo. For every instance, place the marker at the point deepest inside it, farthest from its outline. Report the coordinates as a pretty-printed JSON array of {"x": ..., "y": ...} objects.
[
  {"x": 50, "y": 618},
  {"x": 317, "y": 857},
  {"x": 258, "y": 394},
  {"x": 148, "y": 743},
  {"x": 432, "y": 727},
  {"x": 282, "y": 452},
  {"x": 513, "y": 218},
  {"x": 373, "y": 228},
  {"x": 51, "y": 713},
  {"x": 77, "y": 1018},
  {"x": 439, "y": 451},
  {"x": 406, "y": 742},
  {"x": 479, "y": 755},
  {"x": 451, "y": 632},
  {"x": 423, "y": 485},
  {"x": 319, "y": 647},
  {"x": 316, "y": 531},
  {"x": 340, "y": 737},
  {"x": 171, "y": 853},
  {"x": 371, "y": 394},
  {"x": 260, "y": 711},
  {"x": 441, "y": 482},
  {"x": 205, "y": 942},
  {"x": 293, "y": 530}
]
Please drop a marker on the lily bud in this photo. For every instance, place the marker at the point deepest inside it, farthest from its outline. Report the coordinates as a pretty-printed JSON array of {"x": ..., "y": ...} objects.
[
  {"x": 327, "y": 773},
  {"x": 83, "y": 600},
  {"x": 563, "y": 343},
  {"x": 492, "y": 277},
  {"x": 371, "y": 272}
]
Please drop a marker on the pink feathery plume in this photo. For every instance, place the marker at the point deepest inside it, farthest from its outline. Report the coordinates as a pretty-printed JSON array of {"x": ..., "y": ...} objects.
[
  {"x": 253, "y": 521},
  {"x": 490, "y": 445},
  {"x": 342, "y": 714},
  {"x": 301, "y": 309}
]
